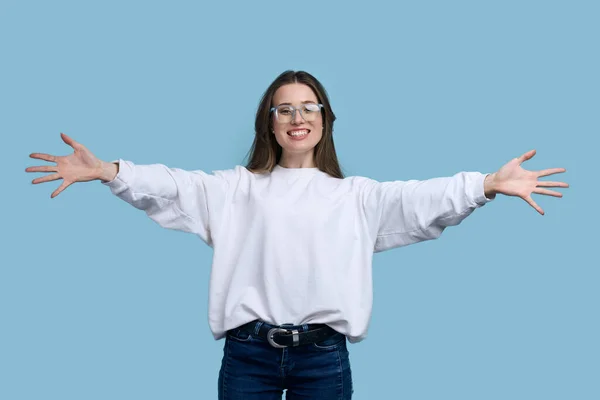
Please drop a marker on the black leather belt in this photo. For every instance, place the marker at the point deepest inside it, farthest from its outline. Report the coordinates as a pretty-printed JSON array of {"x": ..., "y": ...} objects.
[{"x": 287, "y": 336}]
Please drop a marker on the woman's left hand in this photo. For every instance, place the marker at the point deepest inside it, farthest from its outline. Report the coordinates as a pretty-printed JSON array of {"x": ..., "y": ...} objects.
[{"x": 512, "y": 180}]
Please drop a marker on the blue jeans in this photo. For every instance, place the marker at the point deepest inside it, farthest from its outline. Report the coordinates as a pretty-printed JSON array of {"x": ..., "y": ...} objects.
[{"x": 254, "y": 370}]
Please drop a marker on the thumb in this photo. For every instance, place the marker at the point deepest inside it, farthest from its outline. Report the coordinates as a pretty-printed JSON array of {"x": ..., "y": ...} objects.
[
  {"x": 527, "y": 156},
  {"x": 68, "y": 140}
]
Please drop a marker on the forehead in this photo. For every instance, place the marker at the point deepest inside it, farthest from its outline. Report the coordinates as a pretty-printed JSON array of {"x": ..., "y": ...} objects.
[{"x": 294, "y": 93}]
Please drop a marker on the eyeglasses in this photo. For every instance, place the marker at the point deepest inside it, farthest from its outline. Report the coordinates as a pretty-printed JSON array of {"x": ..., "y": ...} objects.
[{"x": 287, "y": 113}]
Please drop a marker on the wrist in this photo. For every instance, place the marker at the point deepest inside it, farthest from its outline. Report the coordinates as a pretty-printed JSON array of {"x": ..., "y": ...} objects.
[
  {"x": 489, "y": 186},
  {"x": 108, "y": 171}
]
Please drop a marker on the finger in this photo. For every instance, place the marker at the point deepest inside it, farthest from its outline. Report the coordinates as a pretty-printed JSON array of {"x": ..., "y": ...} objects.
[
  {"x": 45, "y": 168},
  {"x": 547, "y": 192},
  {"x": 62, "y": 187},
  {"x": 552, "y": 184},
  {"x": 68, "y": 140},
  {"x": 550, "y": 171},
  {"x": 46, "y": 178},
  {"x": 526, "y": 156},
  {"x": 43, "y": 156},
  {"x": 533, "y": 204}
]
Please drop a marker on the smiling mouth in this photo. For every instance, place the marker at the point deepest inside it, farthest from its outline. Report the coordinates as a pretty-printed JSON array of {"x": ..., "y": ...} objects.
[{"x": 298, "y": 133}]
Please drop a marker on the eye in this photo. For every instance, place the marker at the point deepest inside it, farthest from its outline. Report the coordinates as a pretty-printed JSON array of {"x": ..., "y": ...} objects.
[
  {"x": 284, "y": 110},
  {"x": 311, "y": 108}
]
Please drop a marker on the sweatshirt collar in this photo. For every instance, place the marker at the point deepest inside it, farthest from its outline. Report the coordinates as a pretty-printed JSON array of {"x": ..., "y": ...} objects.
[{"x": 295, "y": 171}]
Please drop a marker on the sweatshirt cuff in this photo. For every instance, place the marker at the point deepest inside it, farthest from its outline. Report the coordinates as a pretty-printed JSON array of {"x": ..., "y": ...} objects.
[
  {"x": 478, "y": 194},
  {"x": 121, "y": 181}
]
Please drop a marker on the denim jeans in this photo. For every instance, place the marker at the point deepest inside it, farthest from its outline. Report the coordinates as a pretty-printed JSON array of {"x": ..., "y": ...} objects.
[{"x": 252, "y": 369}]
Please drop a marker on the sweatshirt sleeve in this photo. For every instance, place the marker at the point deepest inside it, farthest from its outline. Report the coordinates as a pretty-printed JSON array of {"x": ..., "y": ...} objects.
[
  {"x": 188, "y": 201},
  {"x": 400, "y": 213}
]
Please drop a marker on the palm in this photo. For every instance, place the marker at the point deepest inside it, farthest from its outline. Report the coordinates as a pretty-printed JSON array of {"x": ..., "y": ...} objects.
[
  {"x": 513, "y": 180},
  {"x": 80, "y": 166}
]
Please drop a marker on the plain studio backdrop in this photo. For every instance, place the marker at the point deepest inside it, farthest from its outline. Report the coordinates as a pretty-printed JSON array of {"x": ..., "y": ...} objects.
[{"x": 99, "y": 302}]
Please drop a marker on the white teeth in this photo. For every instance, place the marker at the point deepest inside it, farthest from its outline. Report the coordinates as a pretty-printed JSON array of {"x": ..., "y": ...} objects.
[{"x": 298, "y": 133}]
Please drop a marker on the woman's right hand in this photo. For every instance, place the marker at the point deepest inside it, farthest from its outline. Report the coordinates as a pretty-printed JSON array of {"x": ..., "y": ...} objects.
[{"x": 81, "y": 166}]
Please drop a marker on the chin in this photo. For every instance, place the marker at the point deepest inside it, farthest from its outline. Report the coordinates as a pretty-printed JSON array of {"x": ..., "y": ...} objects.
[{"x": 299, "y": 147}]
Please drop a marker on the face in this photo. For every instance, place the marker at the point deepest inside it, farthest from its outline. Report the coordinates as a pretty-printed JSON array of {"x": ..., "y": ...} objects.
[{"x": 298, "y": 137}]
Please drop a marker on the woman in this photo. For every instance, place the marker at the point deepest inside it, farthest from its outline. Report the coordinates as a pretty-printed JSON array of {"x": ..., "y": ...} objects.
[{"x": 293, "y": 239}]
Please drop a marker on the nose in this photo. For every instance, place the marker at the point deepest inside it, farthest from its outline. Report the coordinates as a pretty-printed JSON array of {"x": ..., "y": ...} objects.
[{"x": 297, "y": 117}]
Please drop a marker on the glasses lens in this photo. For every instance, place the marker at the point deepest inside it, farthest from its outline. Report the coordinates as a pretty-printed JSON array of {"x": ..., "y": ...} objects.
[
  {"x": 284, "y": 113},
  {"x": 310, "y": 111}
]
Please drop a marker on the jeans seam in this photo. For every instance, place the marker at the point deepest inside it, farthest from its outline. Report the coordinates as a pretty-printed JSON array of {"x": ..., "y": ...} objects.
[
  {"x": 225, "y": 368},
  {"x": 341, "y": 370},
  {"x": 282, "y": 364}
]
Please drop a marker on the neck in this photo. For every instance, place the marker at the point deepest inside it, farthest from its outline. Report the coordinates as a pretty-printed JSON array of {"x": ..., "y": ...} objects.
[{"x": 306, "y": 160}]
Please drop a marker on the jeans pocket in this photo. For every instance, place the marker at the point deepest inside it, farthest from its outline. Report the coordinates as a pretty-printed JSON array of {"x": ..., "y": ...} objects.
[
  {"x": 334, "y": 342},
  {"x": 239, "y": 335}
]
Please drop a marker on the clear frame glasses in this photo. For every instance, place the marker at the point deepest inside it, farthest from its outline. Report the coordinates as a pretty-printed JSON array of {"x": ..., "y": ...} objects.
[{"x": 286, "y": 113}]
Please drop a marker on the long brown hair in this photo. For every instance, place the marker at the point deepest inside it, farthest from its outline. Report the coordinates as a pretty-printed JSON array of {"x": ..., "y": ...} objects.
[{"x": 265, "y": 152}]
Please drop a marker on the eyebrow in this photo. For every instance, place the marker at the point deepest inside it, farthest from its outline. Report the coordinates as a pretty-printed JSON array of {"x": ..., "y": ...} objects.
[{"x": 289, "y": 104}]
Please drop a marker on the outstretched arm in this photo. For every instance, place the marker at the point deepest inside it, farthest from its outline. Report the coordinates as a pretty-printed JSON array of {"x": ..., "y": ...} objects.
[
  {"x": 400, "y": 213},
  {"x": 174, "y": 198}
]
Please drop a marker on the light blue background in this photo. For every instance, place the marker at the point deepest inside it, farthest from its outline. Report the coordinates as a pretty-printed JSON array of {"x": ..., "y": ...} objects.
[{"x": 98, "y": 302}]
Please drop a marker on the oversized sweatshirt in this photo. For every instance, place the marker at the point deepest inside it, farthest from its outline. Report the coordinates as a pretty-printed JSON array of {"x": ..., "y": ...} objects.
[{"x": 296, "y": 245}]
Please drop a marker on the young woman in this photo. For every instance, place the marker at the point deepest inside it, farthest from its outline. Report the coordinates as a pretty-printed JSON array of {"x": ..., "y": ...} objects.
[{"x": 293, "y": 239}]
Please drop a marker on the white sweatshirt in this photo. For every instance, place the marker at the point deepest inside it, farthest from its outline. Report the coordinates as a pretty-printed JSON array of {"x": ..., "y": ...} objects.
[{"x": 296, "y": 245}]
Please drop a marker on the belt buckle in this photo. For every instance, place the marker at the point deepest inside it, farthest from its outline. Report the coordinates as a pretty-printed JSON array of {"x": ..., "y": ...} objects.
[{"x": 272, "y": 332}]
